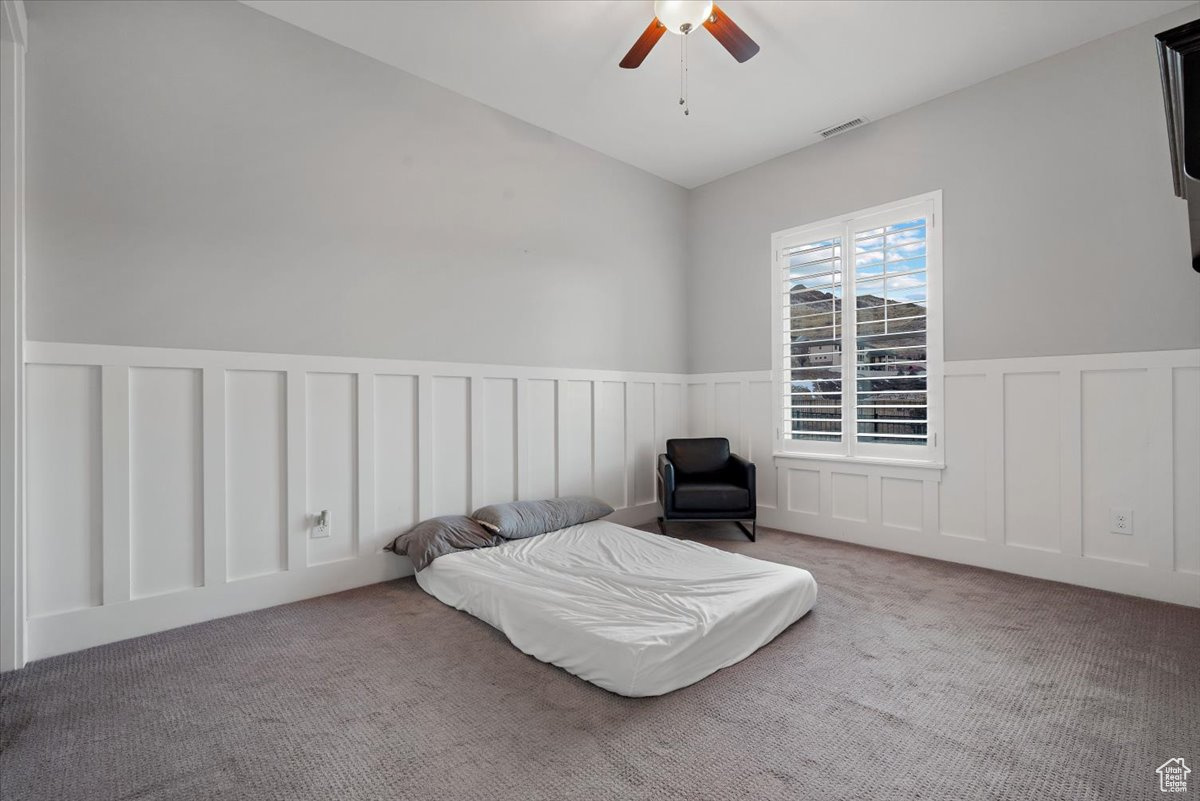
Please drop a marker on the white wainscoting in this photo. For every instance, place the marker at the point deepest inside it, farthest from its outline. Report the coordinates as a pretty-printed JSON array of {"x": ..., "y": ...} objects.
[
  {"x": 167, "y": 487},
  {"x": 1037, "y": 452}
]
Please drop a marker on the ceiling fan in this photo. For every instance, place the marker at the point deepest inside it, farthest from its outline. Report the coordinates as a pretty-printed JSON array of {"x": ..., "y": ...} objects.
[{"x": 681, "y": 17}]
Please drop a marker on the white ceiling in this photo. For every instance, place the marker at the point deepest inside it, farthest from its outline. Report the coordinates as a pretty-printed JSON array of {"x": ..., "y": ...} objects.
[{"x": 553, "y": 63}]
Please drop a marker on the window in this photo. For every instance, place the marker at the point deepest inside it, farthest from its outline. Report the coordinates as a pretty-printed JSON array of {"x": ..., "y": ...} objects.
[{"x": 861, "y": 379}]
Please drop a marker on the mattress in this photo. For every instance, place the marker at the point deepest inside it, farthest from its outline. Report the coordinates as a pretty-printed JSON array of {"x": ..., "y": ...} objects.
[{"x": 636, "y": 613}]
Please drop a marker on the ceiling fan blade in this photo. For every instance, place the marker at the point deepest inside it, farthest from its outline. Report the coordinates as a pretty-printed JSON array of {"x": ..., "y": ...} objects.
[
  {"x": 641, "y": 48},
  {"x": 731, "y": 37}
]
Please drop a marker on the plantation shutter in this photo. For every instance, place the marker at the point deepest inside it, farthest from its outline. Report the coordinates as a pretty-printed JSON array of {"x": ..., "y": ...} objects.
[
  {"x": 891, "y": 298},
  {"x": 812, "y": 320},
  {"x": 858, "y": 334}
]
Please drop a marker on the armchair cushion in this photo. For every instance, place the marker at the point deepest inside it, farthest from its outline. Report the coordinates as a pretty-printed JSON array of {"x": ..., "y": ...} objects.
[{"x": 711, "y": 497}]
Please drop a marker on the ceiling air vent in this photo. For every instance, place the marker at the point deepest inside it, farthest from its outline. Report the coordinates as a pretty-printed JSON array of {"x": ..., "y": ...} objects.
[{"x": 845, "y": 126}]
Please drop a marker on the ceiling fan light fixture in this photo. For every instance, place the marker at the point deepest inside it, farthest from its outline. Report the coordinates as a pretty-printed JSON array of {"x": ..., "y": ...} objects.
[{"x": 682, "y": 16}]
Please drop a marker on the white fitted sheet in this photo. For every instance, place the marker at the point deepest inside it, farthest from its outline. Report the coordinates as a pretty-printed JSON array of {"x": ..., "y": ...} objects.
[{"x": 636, "y": 613}]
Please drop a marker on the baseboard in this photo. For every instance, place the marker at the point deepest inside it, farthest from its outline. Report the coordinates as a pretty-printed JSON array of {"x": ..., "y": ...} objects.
[
  {"x": 84, "y": 628},
  {"x": 1123, "y": 578}
]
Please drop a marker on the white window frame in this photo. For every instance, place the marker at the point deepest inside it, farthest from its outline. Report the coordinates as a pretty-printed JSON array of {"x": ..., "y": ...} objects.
[{"x": 844, "y": 226}]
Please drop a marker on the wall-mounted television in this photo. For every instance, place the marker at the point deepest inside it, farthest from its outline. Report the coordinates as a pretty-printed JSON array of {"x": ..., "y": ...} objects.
[{"x": 1179, "y": 61}]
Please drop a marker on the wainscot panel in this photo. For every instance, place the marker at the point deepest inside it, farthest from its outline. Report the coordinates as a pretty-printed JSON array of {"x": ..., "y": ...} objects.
[
  {"x": 1039, "y": 452},
  {"x": 168, "y": 487}
]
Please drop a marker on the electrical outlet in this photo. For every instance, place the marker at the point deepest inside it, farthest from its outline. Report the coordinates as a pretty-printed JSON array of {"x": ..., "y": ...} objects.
[
  {"x": 321, "y": 525},
  {"x": 1120, "y": 520}
]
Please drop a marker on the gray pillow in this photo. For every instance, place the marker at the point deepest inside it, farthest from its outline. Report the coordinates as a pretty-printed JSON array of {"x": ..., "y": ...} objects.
[
  {"x": 439, "y": 536},
  {"x": 519, "y": 519}
]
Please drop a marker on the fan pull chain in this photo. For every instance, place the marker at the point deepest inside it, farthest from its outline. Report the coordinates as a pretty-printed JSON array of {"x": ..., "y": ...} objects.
[
  {"x": 683, "y": 70},
  {"x": 682, "y": 46}
]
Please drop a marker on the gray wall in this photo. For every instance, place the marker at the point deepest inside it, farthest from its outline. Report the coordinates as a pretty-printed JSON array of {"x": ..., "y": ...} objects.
[
  {"x": 1061, "y": 232},
  {"x": 202, "y": 175}
]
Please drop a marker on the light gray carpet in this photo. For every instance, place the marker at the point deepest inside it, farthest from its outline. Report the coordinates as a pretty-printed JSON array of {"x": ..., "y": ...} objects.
[{"x": 911, "y": 679}]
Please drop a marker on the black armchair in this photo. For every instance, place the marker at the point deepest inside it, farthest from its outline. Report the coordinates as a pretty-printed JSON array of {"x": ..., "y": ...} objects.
[{"x": 699, "y": 479}]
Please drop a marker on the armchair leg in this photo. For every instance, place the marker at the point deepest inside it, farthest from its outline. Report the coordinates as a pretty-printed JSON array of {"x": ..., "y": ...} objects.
[
  {"x": 662, "y": 526},
  {"x": 752, "y": 532}
]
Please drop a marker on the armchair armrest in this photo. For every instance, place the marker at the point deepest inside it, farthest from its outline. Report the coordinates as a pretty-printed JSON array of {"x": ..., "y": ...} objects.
[
  {"x": 743, "y": 473},
  {"x": 666, "y": 479}
]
